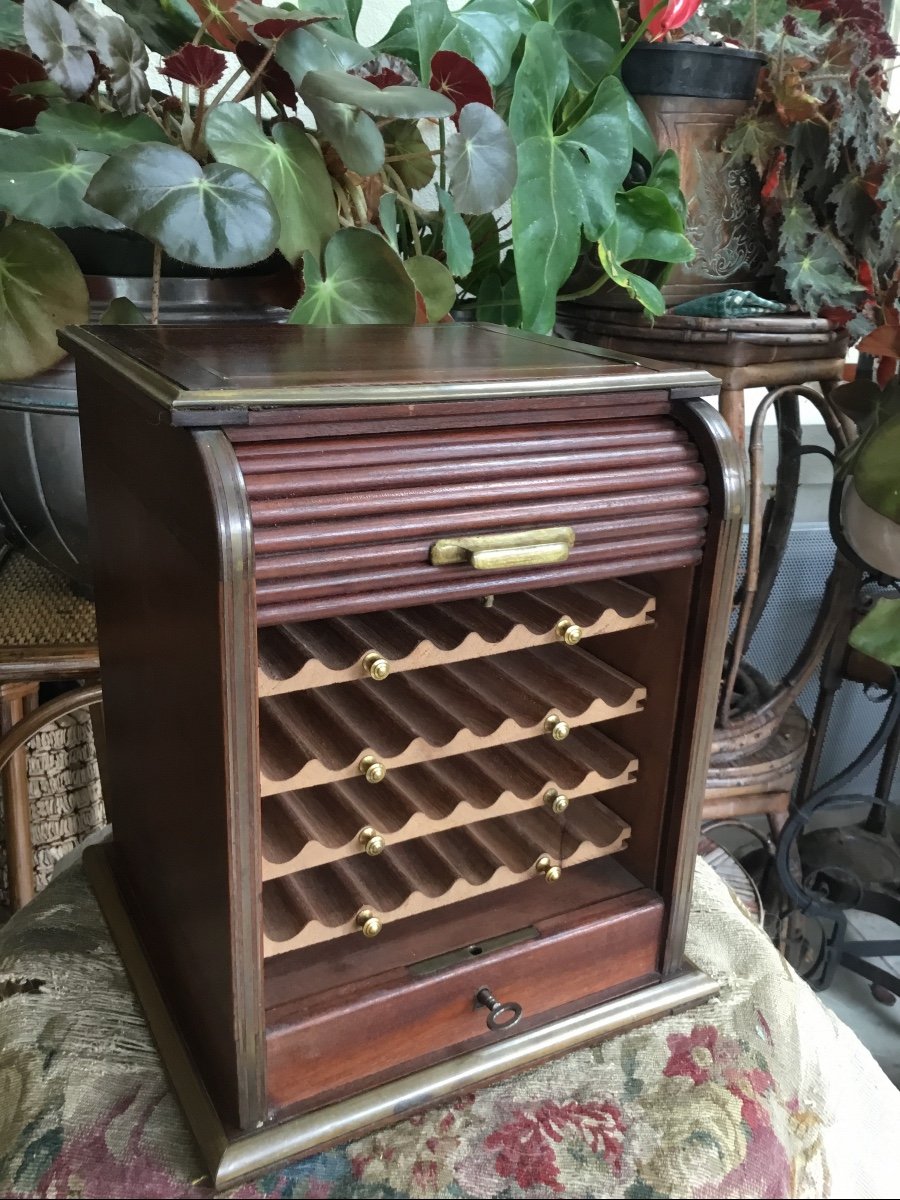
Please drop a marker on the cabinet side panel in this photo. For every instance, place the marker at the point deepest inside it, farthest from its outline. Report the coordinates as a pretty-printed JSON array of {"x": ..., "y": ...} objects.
[{"x": 175, "y": 620}]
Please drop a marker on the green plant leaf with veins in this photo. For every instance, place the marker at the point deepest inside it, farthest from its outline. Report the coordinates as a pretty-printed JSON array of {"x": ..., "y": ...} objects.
[
  {"x": 43, "y": 179},
  {"x": 41, "y": 290},
  {"x": 434, "y": 283},
  {"x": 163, "y": 25},
  {"x": 486, "y": 32},
  {"x": 590, "y": 34},
  {"x": 398, "y": 100},
  {"x": 481, "y": 161},
  {"x": 364, "y": 283},
  {"x": 455, "y": 237},
  {"x": 317, "y": 49},
  {"x": 89, "y": 129},
  {"x": 213, "y": 216},
  {"x": 289, "y": 166},
  {"x": 55, "y": 39},
  {"x": 125, "y": 56},
  {"x": 12, "y": 35},
  {"x": 646, "y": 229},
  {"x": 876, "y": 469},
  {"x": 353, "y": 133}
]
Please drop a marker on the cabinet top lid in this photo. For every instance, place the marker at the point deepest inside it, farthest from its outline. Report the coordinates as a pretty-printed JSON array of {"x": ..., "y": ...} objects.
[{"x": 214, "y": 366}]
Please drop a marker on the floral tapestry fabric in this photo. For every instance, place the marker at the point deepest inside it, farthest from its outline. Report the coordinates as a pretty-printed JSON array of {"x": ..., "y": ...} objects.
[{"x": 758, "y": 1093}]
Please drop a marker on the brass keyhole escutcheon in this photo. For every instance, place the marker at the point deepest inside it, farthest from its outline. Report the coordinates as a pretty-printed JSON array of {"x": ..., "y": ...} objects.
[
  {"x": 568, "y": 632},
  {"x": 557, "y": 802},
  {"x": 373, "y": 770},
  {"x": 371, "y": 840},
  {"x": 556, "y": 727},
  {"x": 375, "y": 665},
  {"x": 368, "y": 923},
  {"x": 544, "y": 866},
  {"x": 500, "y": 1016}
]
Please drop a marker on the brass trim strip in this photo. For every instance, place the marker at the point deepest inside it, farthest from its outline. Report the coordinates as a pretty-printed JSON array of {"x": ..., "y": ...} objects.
[
  {"x": 498, "y": 551},
  {"x": 231, "y": 1159}
]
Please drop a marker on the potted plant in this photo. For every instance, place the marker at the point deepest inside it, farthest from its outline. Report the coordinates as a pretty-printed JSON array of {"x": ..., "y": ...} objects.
[{"x": 219, "y": 172}]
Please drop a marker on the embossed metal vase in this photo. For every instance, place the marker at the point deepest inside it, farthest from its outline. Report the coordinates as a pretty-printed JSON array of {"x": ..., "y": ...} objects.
[{"x": 692, "y": 96}]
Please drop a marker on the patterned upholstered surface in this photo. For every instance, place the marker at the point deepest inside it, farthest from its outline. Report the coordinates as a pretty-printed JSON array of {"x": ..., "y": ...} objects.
[
  {"x": 760, "y": 1093},
  {"x": 39, "y": 608}
]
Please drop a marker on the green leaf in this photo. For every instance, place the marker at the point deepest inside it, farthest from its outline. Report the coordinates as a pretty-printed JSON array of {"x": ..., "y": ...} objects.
[
  {"x": 599, "y": 151},
  {"x": 432, "y": 23},
  {"x": 12, "y": 36},
  {"x": 487, "y": 32},
  {"x": 641, "y": 134},
  {"x": 547, "y": 204},
  {"x": 753, "y": 139},
  {"x": 498, "y": 301},
  {"x": 647, "y": 227},
  {"x": 416, "y": 167},
  {"x": 591, "y": 36},
  {"x": 123, "y": 311},
  {"x": 878, "y": 633},
  {"x": 434, "y": 283},
  {"x": 411, "y": 103},
  {"x": 163, "y": 25},
  {"x": 214, "y": 216},
  {"x": 41, "y": 289},
  {"x": 354, "y": 135},
  {"x": 666, "y": 177},
  {"x": 365, "y": 283},
  {"x": 289, "y": 166},
  {"x": 401, "y": 38},
  {"x": 481, "y": 161},
  {"x": 818, "y": 276},
  {"x": 43, "y": 179},
  {"x": 125, "y": 56},
  {"x": 455, "y": 237},
  {"x": 387, "y": 215},
  {"x": 89, "y": 129},
  {"x": 318, "y": 49},
  {"x": 876, "y": 469},
  {"x": 855, "y": 212},
  {"x": 55, "y": 39}
]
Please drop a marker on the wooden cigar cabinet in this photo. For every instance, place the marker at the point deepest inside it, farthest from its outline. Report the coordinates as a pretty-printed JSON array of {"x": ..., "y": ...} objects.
[{"x": 410, "y": 646}]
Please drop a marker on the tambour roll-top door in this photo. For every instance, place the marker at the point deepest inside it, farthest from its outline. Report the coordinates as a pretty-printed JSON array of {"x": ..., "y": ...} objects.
[{"x": 347, "y": 524}]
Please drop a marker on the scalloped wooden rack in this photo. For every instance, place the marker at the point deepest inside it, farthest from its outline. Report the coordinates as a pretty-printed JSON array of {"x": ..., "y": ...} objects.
[
  {"x": 430, "y": 635},
  {"x": 428, "y": 873},
  {"x": 321, "y": 735},
  {"x": 309, "y": 828}
]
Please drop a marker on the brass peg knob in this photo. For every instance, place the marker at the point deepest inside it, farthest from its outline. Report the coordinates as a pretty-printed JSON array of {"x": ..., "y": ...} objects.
[
  {"x": 376, "y": 666},
  {"x": 372, "y": 769},
  {"x": 556, "y": 800},
  {"x": 371, "y": 840},
  {"x": 368, "y": 924},
  {"x": 556, "y": 727},
  {"x": 544, "y": 866},
  {"x": 568, "y": 632}
]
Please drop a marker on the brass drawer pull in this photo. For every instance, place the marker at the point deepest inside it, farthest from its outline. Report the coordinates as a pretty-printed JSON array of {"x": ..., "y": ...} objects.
[
  {"x": 375, "y": 666},
  {"x": 544, "y": 866},
  {"x": 556, "y": 800},
  {"x": 500, "y": 1016},
  {"x": 371, "y": 840},
  {"x": 500, "y": 551},
  {"x": 373, "y": 770},
  {"x": 556, "y": 727},
  {"x": 368, "y": 924},
  {"x": 567, "y": 631}
]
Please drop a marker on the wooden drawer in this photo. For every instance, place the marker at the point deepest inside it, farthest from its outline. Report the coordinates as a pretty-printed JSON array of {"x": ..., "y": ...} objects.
[
  {"x": 346, "y": 525},
  {"x": 350, "y": 1033}
]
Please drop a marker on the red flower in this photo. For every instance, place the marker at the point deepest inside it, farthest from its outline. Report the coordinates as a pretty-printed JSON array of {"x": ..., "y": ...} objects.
[
  {"x": 198, "y": 65},
  {"x": 773, "y": 175},
  {"x": 675, "y": 14},
  {"x": 275, "y": 78},
  {"x": 459, "y": 79}
]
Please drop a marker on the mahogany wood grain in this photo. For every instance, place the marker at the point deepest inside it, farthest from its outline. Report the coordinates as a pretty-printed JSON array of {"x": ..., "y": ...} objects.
[
  {"x": 377, "y": 1027},
  {"x": 183, "y": 791}
]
